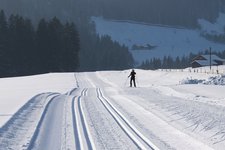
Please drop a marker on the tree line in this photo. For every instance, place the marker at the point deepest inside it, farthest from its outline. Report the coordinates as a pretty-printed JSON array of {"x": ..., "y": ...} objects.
[
  {"x": 104, "y": 54},
  {"x": 53, "y": 46},
  {"x": 24, "y": 49},
  {"x": 169, "y": 62},
  {"x": 219, "y": 38}
]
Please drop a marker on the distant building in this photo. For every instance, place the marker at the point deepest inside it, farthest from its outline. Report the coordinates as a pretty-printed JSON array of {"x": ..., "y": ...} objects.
[{"x": 204, "y": 60}]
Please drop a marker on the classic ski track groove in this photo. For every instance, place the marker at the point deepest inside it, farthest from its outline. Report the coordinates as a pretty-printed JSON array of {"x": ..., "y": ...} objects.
[
  {"x": 132, "y": 132},
  {"x": 36, "y": 133},
  {"x": 80, "y": 125}
]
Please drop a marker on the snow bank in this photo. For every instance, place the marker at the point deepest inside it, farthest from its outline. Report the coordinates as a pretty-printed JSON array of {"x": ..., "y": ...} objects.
[
  {"x": 15, "y": 92},
  {"x": 214, "y": 80},
  {"x": 217, "y": 80},
  {"x": 189, "y": 80}
]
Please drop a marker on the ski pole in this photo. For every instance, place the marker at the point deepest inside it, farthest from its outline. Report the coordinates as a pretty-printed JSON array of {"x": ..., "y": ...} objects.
[
  {"x": 137, "y": 82},
  {"x": 125, "y": 82}
]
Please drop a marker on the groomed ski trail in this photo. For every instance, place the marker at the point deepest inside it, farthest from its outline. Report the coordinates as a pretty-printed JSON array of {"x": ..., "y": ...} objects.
[
  {"x": 81, "y": 131},
  {"x": 136, "y": 136},
  {"x": 94, "y": 114}
]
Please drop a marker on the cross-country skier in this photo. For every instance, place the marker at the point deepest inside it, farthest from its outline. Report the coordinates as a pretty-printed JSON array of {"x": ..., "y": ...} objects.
[{"x": 132, "y": 77}]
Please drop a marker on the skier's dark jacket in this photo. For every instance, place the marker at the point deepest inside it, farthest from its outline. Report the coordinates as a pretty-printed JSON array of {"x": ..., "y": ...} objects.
[{"x": 132, "y": 74}]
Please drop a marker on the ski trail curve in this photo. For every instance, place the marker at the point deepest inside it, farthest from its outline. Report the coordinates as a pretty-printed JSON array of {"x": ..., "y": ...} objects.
[
  {"x": 24, "y": 122},
  {"x": 48, "y": 134}
]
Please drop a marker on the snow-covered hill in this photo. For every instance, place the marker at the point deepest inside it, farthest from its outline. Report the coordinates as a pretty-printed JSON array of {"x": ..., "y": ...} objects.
[
  {"x": 162, "y": 40},
  {"x": 98, "y": 110}
]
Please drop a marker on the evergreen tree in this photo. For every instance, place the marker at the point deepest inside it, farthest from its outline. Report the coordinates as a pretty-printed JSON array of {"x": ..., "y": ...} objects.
[
  {"x": 71, "y": 48},
  {"x": 177, "y": 64},
  {"x": 42, "y": 47},
  {"x": 21, "y": 34},
  {"x": 164, "y": 63},
  {"x": 55, "y": 29}
]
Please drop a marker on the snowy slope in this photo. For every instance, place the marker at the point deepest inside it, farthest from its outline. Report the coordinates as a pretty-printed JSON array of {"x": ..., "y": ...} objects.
[
  {"x": 168, "y": 41},
  {"x": 98, "y": 110},
  {"x": 216, "y": 28}
]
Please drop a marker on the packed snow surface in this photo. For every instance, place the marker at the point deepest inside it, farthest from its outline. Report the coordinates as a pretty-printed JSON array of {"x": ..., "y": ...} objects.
[
  {"x": 163, "y": 40},
  {"x": 98, "y": 110}
]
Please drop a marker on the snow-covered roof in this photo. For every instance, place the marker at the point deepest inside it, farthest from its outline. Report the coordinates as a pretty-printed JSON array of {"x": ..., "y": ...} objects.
[
  {"x": 205, "y": 62},
  {"x": 213, "y": 57}
]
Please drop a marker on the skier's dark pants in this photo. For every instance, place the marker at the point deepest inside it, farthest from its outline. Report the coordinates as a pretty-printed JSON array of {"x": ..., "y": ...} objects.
[{"x": 132, "y": 79}]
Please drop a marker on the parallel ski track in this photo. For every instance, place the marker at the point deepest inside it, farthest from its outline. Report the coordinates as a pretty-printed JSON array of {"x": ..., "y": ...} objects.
[
  {"x": 131, "y": 131},
  {"x": 80, "y": 125},
  {"x": 72, "y": 91}
]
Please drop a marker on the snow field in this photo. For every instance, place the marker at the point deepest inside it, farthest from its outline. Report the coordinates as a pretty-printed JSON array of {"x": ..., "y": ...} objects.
[{"x": 99, "y": 110}]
